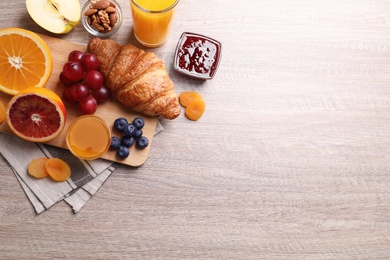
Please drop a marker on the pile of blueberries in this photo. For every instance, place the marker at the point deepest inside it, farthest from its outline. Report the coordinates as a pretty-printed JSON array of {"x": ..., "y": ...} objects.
[{"x": 132, "y": 134}]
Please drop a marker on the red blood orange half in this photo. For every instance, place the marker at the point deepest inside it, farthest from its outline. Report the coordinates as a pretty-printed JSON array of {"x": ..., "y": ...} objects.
[{"x": 36, "y": 114}]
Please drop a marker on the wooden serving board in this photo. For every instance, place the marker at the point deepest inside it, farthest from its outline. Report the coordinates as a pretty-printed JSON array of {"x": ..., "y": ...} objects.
[{"x": 108, "y": 111}]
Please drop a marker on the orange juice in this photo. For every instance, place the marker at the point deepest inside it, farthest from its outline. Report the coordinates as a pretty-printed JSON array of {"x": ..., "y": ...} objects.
[
  {"x": 152, "y": 20},
  {"x": 88, "y": 137}
]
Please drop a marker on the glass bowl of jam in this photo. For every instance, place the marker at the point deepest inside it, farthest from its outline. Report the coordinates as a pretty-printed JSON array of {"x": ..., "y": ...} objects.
[{"x": 197, "y": 56}]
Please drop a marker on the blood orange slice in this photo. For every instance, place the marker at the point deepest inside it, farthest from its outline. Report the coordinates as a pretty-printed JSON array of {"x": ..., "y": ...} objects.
[
  {"x": 36, "y": 114},
  {"x": 25, "y": 60}
]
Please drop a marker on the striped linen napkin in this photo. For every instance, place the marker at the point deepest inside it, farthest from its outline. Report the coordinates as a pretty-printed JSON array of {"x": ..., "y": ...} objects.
[{"x": 86, "y": 179}]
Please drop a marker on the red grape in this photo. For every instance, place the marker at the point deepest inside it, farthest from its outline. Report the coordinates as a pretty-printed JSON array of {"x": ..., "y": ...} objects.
[
  {"x": 89, "y": 61},
  {"x": 101, "y": 94},
  {"x": 75, "y": 56},
  {"x": 68, "y": 94},
  {"x": 93, "y": 79},
  {"x": 84, "y": 83},
  {"x": 88, "y": 105},
  {"x": 65, "y": 80},
  {"x": 80, "y": 92},
  {"x": 73, "y": 71}
]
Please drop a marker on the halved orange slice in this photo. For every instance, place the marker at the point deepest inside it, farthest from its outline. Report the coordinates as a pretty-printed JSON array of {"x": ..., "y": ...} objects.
[
  {"x": 2, "y": 112},
  {"x": 36, "y": 114},
  {"x": 25, "y": 60}
]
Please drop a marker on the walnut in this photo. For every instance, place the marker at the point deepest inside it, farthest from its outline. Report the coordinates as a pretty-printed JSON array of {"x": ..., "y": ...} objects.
[
  {"x": 104, "y": 20},
  {"x": 95, "y": 23}
]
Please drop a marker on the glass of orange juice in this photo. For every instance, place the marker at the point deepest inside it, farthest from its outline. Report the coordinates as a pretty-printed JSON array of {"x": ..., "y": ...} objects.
[
  {"x": 88, "y": 137},
  {"x": 152, "y": 20}
]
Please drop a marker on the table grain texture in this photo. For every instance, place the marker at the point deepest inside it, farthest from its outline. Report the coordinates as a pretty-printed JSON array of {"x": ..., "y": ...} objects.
[{"x": 291, "y": 159}]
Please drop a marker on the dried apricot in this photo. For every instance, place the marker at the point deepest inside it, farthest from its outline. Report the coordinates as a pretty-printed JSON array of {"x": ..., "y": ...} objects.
[
  {"x": 3, "y": 112},
  {"x": 58, "y": 169},
  {"x": 187, "y": 97},
  {"x": 36, "y": 168},
  {"x": 195, "y": 109}
]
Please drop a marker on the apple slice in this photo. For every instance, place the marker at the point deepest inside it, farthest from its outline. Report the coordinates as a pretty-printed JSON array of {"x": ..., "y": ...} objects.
[{"x": 56, "y": 16}]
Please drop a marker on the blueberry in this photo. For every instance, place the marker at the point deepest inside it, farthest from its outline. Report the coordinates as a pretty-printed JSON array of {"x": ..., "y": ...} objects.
[
  {"x": 138, "y": 122},
  {"x": 120, "y": 124},
  {"x": 123, "y": 152},
  {"x": 138, "y": 133},
  {"x": 142, "y": 142},
  {"x": 115, "y": 143},
  {"x": 130, "y": 130},
  {"x": 128, "y": 141}
]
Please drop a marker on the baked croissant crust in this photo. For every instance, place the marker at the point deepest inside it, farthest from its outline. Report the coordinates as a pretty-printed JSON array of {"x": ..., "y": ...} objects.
[{"x": 136, "y": 78}]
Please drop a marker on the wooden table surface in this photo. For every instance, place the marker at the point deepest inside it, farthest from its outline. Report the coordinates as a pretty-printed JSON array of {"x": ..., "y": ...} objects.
[{"x": 291, "y": 159}]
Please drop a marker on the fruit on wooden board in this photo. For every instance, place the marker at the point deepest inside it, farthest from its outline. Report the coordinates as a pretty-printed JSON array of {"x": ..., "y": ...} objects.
[
  {"x": 83, "y": 83},
  {"x": 3, "y": 113},
  {"x": 36, "y": 114},
  {"x": 131, "y": 133},
  {"x": 56, "y": 16},
  {"x": 88, "y": 106},
  {"x": 194, "y": 104},
  {"x": 25, "y": 60}
]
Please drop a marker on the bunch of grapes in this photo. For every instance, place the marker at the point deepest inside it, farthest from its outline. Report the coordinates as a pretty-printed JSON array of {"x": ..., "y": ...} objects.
[{"x": 84, "y": 83}]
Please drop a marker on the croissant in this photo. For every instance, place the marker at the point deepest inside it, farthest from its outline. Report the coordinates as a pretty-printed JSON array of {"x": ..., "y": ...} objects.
[{"x": 136, "y": 78}]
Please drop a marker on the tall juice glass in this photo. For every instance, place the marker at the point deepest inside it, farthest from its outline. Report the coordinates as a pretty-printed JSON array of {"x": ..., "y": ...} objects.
[{"x": 152, "y": 20}]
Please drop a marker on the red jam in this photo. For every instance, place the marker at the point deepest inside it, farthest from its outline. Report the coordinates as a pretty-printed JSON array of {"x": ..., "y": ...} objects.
[{"x": 197, "y": 56}]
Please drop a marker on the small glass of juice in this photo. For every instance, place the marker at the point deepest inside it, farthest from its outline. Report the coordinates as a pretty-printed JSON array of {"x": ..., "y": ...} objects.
[
  {"x": 88, "y": 137},
  {"x": 152, "y": 20}
]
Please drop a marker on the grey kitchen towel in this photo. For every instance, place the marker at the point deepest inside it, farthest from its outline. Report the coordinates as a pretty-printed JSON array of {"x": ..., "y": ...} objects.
[{"x": 86, "y": 179}]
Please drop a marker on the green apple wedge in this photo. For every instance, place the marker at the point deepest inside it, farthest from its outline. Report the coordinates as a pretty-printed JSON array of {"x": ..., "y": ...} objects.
[{"x": 56, "y": 16}]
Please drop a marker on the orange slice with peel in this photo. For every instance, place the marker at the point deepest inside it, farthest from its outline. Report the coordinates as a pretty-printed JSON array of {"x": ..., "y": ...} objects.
[
  {"x": 36, "y": 114},
  {"x": 25, "y": 60},
  {"x": 3, "y": 112}
]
